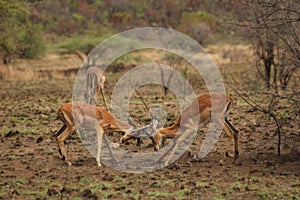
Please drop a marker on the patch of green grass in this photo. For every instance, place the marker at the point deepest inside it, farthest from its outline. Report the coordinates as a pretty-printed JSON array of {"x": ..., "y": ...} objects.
[
  {"x": 219, "y": 197},
  {"x": 181, "y": 194},
  {"x": 77, "y": 198},
  {"x": 13, "y": 120},
  {"x": 118, "y": 179},
  {"x": 158, "y": 194},
  {"x": 278, "y": 192},
  {"x": 266, "y": 194},
  {"x": 19, "y": 185},
  {"x": 131, "y": 194},
  {"x": 236, "y": 186},
  {"x": 4, "y": 130},
  {"x": 102, "y": 189},
  {"x": 28, "y": 131},
  {"x": 41, "y": 193},
  {"x": 202, "y": 185},
  {"x": 13, "y": 157},
  {"x": 163, "y": 183},
  {"x": 56, "y": 184},
  {"x": 85, "y": 180}
]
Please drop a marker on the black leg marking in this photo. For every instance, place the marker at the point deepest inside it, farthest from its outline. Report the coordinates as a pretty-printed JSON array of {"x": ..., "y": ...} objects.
[
  {"x": 61, "y": 130},
  {"x": 59, "y": 151},
  {"x": 138, "y": 142}
]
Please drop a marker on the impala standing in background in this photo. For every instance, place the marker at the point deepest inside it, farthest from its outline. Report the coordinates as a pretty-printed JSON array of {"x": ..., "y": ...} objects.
[{"x": 95, "y": 85}]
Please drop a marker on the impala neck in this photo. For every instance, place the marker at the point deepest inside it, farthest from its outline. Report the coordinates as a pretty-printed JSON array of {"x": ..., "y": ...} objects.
[
  {"x": 120, "y": 126},
  {"x": 171, "y": 129}
]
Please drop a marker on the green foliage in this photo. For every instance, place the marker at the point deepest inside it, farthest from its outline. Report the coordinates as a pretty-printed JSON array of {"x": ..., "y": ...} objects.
[
  {"x": 198, "y": 17},
  {"x": 124, "y": 16},
  {"x": 14, "y": 22},
  {"x": 97, "y": 3},
  {"x": 83, "y": 43},
  {"x": 172, "y": 59},
  {"x": 18, "y": 38},
  {"x": 78, "y": 17},
  {"x": 198, "y": 25},
  {"x": 36, "y": 46},
  {"x": 139, "y": 8}
]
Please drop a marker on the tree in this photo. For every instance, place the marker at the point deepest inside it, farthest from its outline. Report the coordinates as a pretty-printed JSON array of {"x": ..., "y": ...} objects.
[
  {"x": 18, "y": 37},
  {"x": 274, "y": 29}
]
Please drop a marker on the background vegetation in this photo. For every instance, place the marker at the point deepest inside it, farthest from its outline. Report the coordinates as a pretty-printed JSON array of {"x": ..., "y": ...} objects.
[
  {"x": 28, "y": 26},
  {"x": 257, "y": 42}
]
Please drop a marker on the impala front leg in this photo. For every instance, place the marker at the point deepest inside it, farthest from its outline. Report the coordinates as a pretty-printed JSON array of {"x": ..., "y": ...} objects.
[
  {"x": 157, "y": 141},
  {"x": 99, "y": 143}
]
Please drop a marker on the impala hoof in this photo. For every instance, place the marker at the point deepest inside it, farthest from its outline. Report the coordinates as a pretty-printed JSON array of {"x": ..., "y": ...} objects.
[
  {"x": 237, "y": 153},
  {"x": 62, "y": 157},
  {"x": 115, "y": 145},
  {"x": 221, "y": 162},
  {"x": 122, "y": 140}
]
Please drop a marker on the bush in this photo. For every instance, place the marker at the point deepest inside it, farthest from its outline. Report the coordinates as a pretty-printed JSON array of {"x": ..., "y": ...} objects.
[
  {"x": 82, "y": 43},
  {"x": 18, "y": 38},
  {"x": 198, "y": 25},
  {"x": 35, "y": 44}
]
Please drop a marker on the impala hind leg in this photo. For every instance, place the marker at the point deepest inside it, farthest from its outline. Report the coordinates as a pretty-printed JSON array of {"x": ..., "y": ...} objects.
[
  {"x": 232, "y": 133},
  {"x": 58, "y": 133},
  {"x": 61, "y": 139},
  {"x": 235, "y": 137}
]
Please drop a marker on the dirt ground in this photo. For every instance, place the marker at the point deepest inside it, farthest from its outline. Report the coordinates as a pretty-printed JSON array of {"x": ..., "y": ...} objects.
[{"x": 30, "y": 167}]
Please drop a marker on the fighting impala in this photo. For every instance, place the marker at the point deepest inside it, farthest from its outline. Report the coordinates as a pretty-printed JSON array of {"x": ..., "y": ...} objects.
[
  {"x": 221, "y": 104},
  {"x": 204, "y": 103},
  {"x": 95, "y": 85},
  {"x": 81, "y": 115}
]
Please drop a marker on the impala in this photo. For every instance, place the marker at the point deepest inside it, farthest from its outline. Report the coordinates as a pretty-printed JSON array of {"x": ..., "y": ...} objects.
[
  {"x": 221, "y": 104},
  {"x": 95, "y": 85},
  {"x": 81, "y": 115}
]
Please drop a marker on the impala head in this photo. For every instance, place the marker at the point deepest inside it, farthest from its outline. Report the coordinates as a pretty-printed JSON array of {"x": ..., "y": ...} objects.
[
  {"x": 140, "y": 132},
  {"x": 88, "y": 98}
]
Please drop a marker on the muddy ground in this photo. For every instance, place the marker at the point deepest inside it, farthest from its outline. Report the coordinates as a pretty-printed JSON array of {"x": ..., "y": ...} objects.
[{"x": 30, "y": 167}]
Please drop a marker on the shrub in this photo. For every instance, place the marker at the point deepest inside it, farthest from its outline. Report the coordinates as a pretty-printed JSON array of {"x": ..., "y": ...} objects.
[
  {"x": 198, "y": 25},
  {"x": 82, "y": 43},
  {"x": 35, "y": 44},
  {"x": 18, "y": 38}
]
